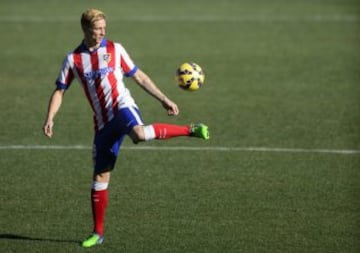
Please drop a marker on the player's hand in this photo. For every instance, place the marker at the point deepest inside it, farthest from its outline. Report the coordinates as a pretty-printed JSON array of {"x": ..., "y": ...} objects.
[
  {"x": 170, "y": 106},
  {"x": 48, "y": 128}
]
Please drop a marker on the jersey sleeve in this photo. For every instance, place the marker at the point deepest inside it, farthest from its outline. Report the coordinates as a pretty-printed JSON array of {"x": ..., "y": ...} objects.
[
  {"x": 128, "y": 66},
  {"x": 65, "y": 76}
]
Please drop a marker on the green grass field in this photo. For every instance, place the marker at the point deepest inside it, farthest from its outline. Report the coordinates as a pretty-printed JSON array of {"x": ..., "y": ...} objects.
[{"x": 280, "y": 173}]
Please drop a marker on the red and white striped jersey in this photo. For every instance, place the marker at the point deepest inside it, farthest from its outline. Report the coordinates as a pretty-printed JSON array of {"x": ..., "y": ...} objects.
[{"x": 100, "y": 73}]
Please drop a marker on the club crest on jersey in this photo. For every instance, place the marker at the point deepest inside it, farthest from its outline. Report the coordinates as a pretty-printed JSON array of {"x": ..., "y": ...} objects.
[{"x": 107, "y": 58}]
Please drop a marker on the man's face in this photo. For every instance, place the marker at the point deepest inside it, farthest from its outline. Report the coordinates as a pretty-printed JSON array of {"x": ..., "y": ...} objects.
[{"x": 96, "y": 33}]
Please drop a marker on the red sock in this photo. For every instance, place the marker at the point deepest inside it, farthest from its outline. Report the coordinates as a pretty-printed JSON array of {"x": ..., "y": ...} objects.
[
  {"x": 99, "y": 200},
  {"x": 166, "y": 131}
]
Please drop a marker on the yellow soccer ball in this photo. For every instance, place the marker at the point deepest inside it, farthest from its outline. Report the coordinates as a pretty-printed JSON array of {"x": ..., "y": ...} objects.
[{"x": 190, "y": 76}]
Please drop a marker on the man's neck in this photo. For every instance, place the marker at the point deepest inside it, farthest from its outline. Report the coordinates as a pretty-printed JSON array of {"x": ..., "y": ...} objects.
[{"x": 91, "y": 45}]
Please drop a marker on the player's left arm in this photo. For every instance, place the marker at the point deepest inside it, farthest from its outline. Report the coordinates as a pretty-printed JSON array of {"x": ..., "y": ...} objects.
[{"x": 145, "y": 82}]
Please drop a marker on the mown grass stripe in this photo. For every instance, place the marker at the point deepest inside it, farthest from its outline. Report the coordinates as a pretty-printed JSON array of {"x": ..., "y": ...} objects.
[{"x": 240, "y": 18}]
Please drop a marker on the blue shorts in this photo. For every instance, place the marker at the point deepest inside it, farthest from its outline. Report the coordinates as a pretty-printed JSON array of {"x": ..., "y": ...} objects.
[{"x": 107, "y": 141}]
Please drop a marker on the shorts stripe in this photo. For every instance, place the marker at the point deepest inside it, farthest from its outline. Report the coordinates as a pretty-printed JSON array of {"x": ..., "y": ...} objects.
[{"x": 136, "y": 114}]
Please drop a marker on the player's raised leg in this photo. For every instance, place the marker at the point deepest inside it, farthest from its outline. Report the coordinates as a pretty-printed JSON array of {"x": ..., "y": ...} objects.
[{"x": 166, "y": 131}]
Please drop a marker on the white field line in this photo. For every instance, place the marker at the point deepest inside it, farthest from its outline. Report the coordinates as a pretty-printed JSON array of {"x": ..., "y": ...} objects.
[
  {"x": 240, "y": 18},
  {"x": 185, "y": 148}
]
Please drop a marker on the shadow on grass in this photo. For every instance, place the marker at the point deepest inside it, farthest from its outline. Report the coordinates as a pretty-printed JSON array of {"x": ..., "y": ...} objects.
[{"x": 27, "y": 238}]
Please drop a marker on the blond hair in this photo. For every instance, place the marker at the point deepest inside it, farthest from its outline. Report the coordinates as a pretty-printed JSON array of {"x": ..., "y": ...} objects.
[{"x": 90, "y": 16}]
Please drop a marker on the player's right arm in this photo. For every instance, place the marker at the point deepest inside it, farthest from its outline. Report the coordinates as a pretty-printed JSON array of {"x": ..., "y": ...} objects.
[{"x": 54, "y": 106}]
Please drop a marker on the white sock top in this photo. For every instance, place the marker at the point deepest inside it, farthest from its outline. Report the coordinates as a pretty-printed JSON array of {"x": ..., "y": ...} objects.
[{"x": 149, "y": 132}]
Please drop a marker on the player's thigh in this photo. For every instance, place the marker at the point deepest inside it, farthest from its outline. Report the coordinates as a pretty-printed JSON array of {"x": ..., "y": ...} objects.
[
  {"x": 106, "y": 148},
  {"x": 128, "y": 118},
  {"x": 105, "y": 156}
]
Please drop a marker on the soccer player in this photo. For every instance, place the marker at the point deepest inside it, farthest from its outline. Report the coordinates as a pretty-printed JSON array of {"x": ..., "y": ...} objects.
[{"x": 100, "y": 65}]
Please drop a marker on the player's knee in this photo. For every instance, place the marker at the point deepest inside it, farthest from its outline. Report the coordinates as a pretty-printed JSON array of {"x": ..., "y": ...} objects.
[
  {"x": 102, "y": 177},
  {"x": 137, "y": 134}
]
